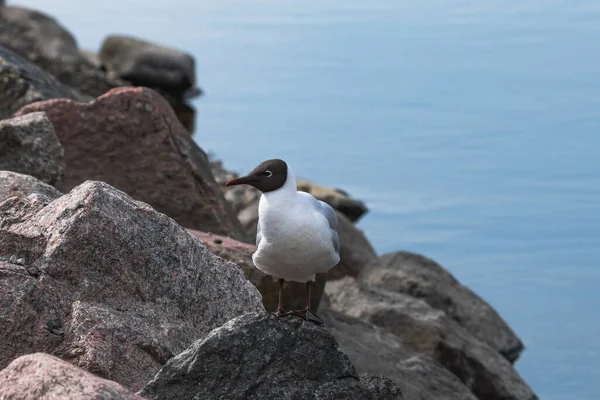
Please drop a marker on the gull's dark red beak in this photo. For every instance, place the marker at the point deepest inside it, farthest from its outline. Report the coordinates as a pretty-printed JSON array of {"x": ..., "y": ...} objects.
[{"x": 242, "y": 180}]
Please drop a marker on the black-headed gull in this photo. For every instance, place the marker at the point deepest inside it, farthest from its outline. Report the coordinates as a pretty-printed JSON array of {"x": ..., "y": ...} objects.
[{"x": 296, "y": 235}]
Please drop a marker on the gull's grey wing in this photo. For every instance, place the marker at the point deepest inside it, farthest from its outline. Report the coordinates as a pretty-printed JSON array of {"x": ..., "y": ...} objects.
[{"x": 332, "y": 218}]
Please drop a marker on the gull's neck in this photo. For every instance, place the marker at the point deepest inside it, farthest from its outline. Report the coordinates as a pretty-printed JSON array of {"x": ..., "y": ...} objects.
[{"x": 286, "y": 194}]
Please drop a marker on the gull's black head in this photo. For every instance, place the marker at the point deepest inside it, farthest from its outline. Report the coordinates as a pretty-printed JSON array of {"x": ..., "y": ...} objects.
[{"x": 267, "y": 176}]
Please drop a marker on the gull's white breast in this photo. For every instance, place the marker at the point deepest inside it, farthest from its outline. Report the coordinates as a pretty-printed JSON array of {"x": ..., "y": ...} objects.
[{"x": 295, "y": 239}]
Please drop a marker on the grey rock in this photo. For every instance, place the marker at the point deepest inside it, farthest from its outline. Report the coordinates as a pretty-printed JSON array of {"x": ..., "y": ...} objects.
[
  {"x": 355, "y": 250},
  {"x": 42, "y": 376},
  {"x": 22, "y": 196},
  {"x": 259, "y": 356},
  {"x": 422, "y": 278},
  {"x": 109, "y": 284},
  {"x": 373, "y": 350},
  {"x": 22, "y": 83},
  {"x": 432, "y": 333},
  {"x": 146, "y": 64},
  {"x": 29, "y": 145},
  {"x": 44, "y": 42},
  {"x": 15, "y": 184},
  {"x": 382, "y": 388}
]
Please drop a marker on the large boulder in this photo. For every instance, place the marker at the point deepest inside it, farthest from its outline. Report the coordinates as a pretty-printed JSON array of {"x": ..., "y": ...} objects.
[
  {"x": 131, "y": 139},
  {"x": 372, "y": 350},
  {"x": 294, "y": 293},
  {"x": 42, "y": 376},
  {"x": 44, "y": 42},
  {"x": 28, "y": 144},
  {"x": 259, "y": 356},
  {"x": 422, "y": 278},
  {"x": 22, "y": 83},
  {"x": 109, "y": 284},
  {"x": 146, "y": 64},
  {"x": 432, "y": 333}
]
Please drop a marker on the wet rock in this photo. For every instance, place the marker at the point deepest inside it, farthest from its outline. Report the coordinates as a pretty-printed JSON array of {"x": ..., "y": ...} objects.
[
  {"x": 146, "y": 64},
  {"x": 28, "y": 144},
  {"x": 422, "y": 278},
  {"x": 336, "y": 198},
  {"x": 294, "y": 293},
  {"x": 259, "y": 356},
  {"x": 372, "y": 350},
  {"x": 44, "y": 42},
  {"x": 432, "y": 333},
  {"x": 110, "y": 285},
  {"x": 131, "y": 139},
  {"x": 22, "y": 83},
  {"x": 39, "y": 375}
]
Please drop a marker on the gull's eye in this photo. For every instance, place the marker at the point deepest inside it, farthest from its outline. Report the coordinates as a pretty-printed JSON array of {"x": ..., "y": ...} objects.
[{"x": 268, "y": 173}]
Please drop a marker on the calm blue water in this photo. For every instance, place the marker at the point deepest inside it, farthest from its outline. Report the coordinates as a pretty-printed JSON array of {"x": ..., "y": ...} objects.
[{"x": 470, "y": 128}]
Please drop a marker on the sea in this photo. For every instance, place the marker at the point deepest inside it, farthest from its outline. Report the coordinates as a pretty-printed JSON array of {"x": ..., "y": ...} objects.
[{"x": 470, "y": 128}]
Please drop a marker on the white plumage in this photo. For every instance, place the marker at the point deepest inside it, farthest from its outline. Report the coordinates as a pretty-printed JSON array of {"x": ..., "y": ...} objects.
[{"x": 296, "y": 235}]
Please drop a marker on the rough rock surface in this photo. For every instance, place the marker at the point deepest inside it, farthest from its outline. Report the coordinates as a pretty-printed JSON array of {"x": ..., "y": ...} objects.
[
  {"x": 21, "y": 197},
  {"x": 42, "y": 376},
  {"x": 422, "y": 278},
  {"x": 131, "y": 139},
  {"x": 29, "y": 145},
  {"x": 109, "y": 284},
  {"x": 259, "y": 356},
  {"x": 431, "y": 332},
  {"x": 294, "y": 293},
  {"x": 375, "y": 351},
  {"x": 13, "y": 184},
  {"x": 44, "y": 42},
  {"x": 336, "y": 198},
  {"x": 22, "y": 83},
  {"x": 147, "y": 64},
  {"x": 382, "y": 388}
]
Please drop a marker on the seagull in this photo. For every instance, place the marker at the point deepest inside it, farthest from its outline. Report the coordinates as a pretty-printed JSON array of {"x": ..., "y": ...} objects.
[{"x": 297, "y": 235}]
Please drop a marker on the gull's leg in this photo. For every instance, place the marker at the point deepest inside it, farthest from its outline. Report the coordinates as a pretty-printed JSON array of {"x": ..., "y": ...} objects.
[
  {"x": 279, "y": 312},
  {"x": 309, "y": 315}
]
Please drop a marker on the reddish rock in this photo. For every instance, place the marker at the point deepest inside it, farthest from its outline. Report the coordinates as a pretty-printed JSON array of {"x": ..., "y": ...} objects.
[
  {"x": 42, "y": 376},
  {"x": 109, "y": 284},
  {"x": 131, "y": 139},
  {"x": 294, "y": 295}
]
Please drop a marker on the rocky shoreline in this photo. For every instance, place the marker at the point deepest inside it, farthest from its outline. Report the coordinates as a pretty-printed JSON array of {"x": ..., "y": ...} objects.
[{"x": 126, "y": 270}]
